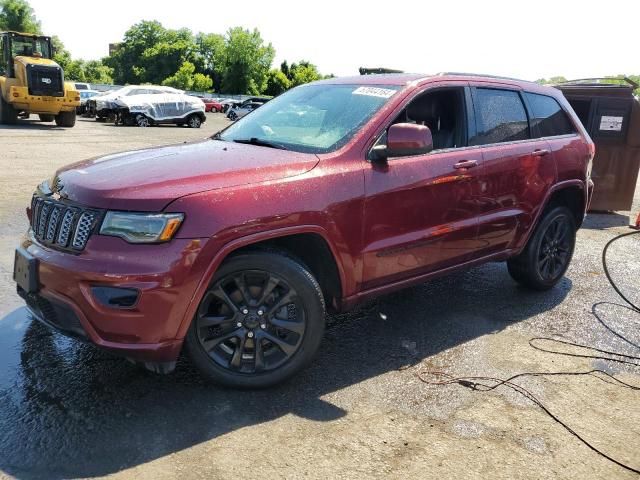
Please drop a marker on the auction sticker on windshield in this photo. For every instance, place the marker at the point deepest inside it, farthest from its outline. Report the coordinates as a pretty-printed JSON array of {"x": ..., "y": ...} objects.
[{"x": 374, "y": 92}]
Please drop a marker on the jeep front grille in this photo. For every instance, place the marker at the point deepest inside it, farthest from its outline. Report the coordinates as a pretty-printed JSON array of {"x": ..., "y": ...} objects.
[{"x": 60, "y": 225}]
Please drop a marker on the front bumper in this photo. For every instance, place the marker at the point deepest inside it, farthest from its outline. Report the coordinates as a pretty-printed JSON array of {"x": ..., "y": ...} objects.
[
  {"x": 164, "y": 275},
  {"x": 22, "y": 100}
]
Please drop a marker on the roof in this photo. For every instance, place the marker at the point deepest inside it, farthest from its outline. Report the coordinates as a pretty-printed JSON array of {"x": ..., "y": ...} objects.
[
  {"x": 406, "y": 78},
  {"x": 24, "y": 34}
]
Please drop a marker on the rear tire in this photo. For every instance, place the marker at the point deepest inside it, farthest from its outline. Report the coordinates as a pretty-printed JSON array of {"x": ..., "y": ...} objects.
[
  {"x": 260, "y": 322},
  {"x": 66, "y": 119},
  {"x": 46, "y": 117},
  {"x": 545, "y": 259},
  {"x": 8, "y": 114}
]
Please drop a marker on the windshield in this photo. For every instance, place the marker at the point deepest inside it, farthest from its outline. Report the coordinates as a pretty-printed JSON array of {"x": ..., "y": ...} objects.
[
  {"x": 311, "y": 118},
  {"x": 29, "y": 47},
  {"x": 86, "y": 94}
]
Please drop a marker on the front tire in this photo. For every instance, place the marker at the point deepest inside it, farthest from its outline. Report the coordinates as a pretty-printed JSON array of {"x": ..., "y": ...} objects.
[
  {"x": 194, "y": 121},
  {"x": 142, "y": 120},
  {"x": 545, "y": 259},
  {"x": 66, "y": 119},
  {"x": 8, "y": 114},
  {"x": 260, "y": 322}
]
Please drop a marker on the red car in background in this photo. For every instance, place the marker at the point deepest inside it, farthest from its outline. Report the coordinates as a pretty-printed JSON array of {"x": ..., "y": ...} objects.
[{"x": 210, "y": 105}]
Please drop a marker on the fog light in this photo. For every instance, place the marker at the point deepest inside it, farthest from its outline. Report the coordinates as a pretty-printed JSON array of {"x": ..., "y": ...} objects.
[{"x": 116, "y": 297}]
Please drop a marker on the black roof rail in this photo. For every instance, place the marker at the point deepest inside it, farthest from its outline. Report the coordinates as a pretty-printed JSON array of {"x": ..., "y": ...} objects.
[
  {"x": 374, "y": 70},
  {"x": 596, "y": 81},
  {"x": 498, "y": 77}
]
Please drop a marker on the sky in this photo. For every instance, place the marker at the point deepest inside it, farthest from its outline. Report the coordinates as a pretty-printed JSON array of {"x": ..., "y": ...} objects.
[{"x": 528, "y": 40}]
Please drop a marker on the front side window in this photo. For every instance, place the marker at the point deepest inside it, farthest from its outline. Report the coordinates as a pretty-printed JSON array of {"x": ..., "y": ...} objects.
[
  {"x": 548, "y": 116},
  {"x": 312, "y": 118},
  {"x": 29, "y": 47},
  {"x": 500, "y": 117}
]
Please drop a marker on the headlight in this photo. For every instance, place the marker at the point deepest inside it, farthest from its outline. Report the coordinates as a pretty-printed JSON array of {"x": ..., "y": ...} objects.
[{"x": 141, "y": 227}]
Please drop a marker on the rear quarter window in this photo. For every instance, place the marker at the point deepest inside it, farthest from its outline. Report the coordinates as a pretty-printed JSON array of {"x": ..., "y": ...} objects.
[
  {"x": 548, "y": 119},
  {"x": 500, "y": 116}
]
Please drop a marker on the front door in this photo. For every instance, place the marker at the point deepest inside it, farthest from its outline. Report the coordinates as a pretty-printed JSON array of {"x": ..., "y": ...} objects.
[{"x": 420, "y": 211}]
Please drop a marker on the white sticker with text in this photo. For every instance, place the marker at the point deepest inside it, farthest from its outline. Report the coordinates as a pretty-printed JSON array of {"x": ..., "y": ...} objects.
[
  {"x": 374, "y": 92},
  {"x": 611, "y": 123}
]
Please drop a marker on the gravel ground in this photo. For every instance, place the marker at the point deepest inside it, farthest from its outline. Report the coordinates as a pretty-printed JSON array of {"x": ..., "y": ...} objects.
[{"x": 361, "y": 410}]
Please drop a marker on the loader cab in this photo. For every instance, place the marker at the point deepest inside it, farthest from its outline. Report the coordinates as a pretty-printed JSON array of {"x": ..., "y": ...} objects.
[{"x": 14, "y": 44}]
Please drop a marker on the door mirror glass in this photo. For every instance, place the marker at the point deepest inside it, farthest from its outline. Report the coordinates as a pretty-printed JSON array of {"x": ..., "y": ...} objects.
[{"x": 405, "y": 139}]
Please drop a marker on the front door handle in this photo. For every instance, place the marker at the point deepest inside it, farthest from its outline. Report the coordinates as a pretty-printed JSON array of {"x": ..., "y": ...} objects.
[
  {"x": 466, "y": 164},
  {"x": 540, "y": 152}
]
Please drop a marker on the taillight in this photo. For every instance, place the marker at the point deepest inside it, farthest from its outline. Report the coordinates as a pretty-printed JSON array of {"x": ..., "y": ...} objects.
[
  {"x": 638, "y": 222},
  {"x": 28, "y": 209}
]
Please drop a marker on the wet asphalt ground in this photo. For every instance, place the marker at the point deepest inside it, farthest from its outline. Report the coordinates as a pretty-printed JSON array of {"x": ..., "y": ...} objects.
[{"x": 69, "y": 410}]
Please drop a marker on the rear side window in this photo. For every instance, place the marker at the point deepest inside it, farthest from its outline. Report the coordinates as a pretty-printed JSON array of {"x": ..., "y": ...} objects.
[
  {"x": 548, "y": 117},
  {"x": 500, "y": 117}
]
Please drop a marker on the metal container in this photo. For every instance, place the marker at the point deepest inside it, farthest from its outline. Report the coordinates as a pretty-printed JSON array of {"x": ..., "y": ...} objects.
[{"x": 611, "y": 115}]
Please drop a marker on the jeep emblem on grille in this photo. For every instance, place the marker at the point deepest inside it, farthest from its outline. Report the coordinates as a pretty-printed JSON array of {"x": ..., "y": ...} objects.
[{"x": 46, "y": 80}]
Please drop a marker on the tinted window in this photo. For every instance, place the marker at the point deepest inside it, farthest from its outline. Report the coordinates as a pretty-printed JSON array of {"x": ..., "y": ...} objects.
[
  {"x": 501, "y": 117},
  {"x": 548, "y": 116}
]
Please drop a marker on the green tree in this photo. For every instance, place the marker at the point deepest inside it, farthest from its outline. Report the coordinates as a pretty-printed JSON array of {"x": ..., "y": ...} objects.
[
  {"x": 209, "y": 56},
  {"x": 18, "y": 15},
  {"x": 186, "y": 78},
  {"x": 303, "y": 72},
  {"x": 246, "y": 62},
  {"x": 96, "y": 72},
  {"x": 150, "y": 53},
  {"x": 277, "y": 82},
  {"x": 202, "y": 83},
  {"x": 545, "y": 81},
  {"x": 60, "y": 54}
]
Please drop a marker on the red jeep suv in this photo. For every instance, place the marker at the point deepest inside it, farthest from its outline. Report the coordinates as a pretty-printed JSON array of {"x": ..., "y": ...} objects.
[{"x": 332, "y": 193}]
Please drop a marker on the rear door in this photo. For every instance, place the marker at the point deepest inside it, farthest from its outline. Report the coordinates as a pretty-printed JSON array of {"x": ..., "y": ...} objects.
[{"x": 517, "y": 168}]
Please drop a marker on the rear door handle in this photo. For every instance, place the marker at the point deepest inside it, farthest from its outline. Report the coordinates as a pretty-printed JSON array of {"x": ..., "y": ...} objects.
[
  {"x": 540, "y": 152},
  {"x": 466, "y": 164}
]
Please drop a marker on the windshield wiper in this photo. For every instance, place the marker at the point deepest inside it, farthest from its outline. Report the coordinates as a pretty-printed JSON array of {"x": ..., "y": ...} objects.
[{"x": 260, "y": 142}]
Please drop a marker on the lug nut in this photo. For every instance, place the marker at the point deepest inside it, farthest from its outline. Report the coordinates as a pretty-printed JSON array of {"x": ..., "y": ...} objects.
[
  {"x": 263, "y": 326},
  {"x": 260, "y": 312},
  {"x": 239, "y": 324},
  {"x": 245, "y": 310},
  {"x": 250, "y": 334}
]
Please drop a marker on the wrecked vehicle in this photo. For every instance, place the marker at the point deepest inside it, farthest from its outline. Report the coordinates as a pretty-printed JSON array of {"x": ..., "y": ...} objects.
[
  {"x": 159, "y": 108},
  {"x": 104, "y": 106}
]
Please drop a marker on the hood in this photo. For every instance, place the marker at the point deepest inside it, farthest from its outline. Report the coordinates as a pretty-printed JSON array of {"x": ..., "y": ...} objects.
[{"x": 148, "y": 180}]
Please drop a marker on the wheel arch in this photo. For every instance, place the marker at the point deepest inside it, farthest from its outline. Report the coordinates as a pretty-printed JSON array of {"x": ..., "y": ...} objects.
[
  {"x": 572, "y": 196},
  {"x": 310, "y": 244},
  {"x": 570, "y": 193}
]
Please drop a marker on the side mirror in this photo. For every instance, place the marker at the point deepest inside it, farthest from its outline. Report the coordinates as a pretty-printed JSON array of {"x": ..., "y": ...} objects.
[{"x": 405, "y": 139}]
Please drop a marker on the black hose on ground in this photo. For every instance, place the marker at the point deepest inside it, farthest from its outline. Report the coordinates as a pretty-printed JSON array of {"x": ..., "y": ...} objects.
[{"x": 486, "y": 384}]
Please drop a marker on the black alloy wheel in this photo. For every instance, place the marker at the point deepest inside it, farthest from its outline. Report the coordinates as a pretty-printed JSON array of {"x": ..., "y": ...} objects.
[
  {"x": 555, "y": 249},
  {"x": 260, "y": 321},
  {"x": 548, "y": 252}
]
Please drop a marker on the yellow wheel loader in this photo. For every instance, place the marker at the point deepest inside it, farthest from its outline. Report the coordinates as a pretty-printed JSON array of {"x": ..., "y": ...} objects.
[{"x": 31, "y": 82}]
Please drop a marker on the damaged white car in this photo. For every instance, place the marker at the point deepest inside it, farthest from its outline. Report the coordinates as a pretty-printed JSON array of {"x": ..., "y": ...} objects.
[{"x": 160, "y": 108}]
